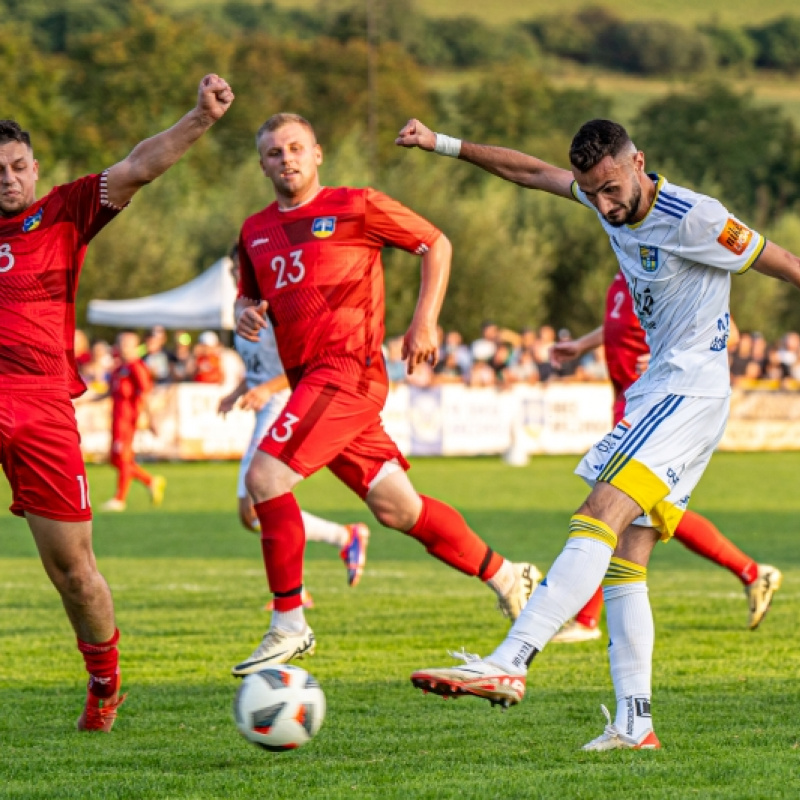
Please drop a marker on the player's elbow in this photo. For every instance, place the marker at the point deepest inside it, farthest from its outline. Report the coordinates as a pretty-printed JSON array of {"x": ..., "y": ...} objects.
[{"x": 442, "y": 248}]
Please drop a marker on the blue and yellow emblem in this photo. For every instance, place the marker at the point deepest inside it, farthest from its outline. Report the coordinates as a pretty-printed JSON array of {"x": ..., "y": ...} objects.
[
  {"x": 323, "y": 227},
  {"x": 649, "y": 257},
  {"x": 32, "y": 222}
]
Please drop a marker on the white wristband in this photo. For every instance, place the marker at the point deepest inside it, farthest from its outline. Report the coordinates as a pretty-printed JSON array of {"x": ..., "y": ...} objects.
[{"x": 447, "y": 145}]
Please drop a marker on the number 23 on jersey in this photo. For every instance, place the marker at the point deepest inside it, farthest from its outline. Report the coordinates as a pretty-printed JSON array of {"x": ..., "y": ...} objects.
[{"x": 288, "y": 272}]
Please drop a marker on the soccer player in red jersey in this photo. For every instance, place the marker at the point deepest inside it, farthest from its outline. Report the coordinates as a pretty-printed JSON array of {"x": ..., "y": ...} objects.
[
  {"x": 42, "y": 246},
  {"x": 626, "y": 354},
  {"x": 130, "y": 385},
  {"x": 311, "y": 261}
]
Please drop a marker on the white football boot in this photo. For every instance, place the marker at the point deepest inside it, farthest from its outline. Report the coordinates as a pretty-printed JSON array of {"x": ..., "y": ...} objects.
[
  {"x": 477, "y": 677},
  {"x": 572, "y": 632},
  {"x": 526, "y": 576},
  {"x": 277, "y": 647},
  {"x": 760, "y": 593},
  {"x": 614, "y": 739}
]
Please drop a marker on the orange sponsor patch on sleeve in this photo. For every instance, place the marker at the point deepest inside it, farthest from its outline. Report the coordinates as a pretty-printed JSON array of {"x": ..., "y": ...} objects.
[{"x": 735, "y": 236}]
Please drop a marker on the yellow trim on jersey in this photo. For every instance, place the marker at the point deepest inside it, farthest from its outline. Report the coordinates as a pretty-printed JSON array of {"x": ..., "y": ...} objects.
[
  {"x": 655, "y": 197},
  {"x": 621, "y": 571},
  {"x": 573, "y": 187},
  {"x": 756, "y": 253},
  {"x": 640, "y": 484},
  {"x": 583, "y": 527}
]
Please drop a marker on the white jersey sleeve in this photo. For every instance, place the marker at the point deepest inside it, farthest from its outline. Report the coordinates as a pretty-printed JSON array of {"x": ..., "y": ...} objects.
[{"x": 710, "y": 235}]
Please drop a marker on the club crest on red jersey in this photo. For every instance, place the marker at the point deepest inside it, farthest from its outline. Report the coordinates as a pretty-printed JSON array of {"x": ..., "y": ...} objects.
[
  {"x": 32, "y": 222},
  {"x": 323, "y": 227},
  {"x": 649, "y": 257}
]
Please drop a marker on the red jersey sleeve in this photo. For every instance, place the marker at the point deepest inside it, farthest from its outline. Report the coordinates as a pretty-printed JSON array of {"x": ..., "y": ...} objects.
[
  {"x": 392, "y": 224},
  {"x": 141, "y": 377},
  {"x": 248, "y": 284},
  {"x": 87, "y": 206}
]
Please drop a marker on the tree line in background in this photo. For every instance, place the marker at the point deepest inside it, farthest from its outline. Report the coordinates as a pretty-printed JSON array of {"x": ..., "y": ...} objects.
[{"x": 90, "y": 80}]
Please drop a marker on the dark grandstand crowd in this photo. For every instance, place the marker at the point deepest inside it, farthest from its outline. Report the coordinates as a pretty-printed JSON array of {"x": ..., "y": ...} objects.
[{"x": 499, "y": 358}]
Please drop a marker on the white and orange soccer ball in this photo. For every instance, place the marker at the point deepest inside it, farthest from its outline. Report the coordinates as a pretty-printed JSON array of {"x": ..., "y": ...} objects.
[{"x": 279, "y": 708}]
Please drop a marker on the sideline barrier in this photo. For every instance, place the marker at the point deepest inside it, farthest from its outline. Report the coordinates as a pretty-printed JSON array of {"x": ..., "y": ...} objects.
[{"x": 447, "y": 420}]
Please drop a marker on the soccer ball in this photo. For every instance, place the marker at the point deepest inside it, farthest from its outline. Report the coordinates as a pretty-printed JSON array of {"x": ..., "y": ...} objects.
[{"x": 279, "y": 708}]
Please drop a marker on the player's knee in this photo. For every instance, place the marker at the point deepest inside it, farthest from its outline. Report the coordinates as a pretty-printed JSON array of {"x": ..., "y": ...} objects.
[
  {"x": 267, "y": 478},
  {"x": 394, "y": 515},
  {"x": 77, "y": 581}
]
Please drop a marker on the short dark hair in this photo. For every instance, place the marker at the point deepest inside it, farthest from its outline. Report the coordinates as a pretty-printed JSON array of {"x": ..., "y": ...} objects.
[
  {"x": 595, "y": 140},
  {"x": 284, "y": 118},
  {"x": 10, "y": 131}
]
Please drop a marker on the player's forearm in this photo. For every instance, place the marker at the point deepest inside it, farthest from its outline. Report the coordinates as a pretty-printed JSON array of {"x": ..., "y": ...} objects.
[
  {"x": 518, "y": 167},
  {"x": 435, "y": 273},
  {"x": 779, "y": 263},
  {"x": 152, "y": 157},
  {"x": 590, "y": 341},
  {"x": 237, "y": 392}
]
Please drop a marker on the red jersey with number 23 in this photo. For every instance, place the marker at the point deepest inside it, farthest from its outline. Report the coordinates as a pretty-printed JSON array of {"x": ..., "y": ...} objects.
[
  {"x": 623, "y": 339},
  {"x": 319, "y": 268},
  {"x": 41, "y": 254}
]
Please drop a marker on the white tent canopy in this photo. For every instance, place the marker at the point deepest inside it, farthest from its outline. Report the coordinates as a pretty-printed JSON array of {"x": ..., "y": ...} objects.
[{"x": 204, "y": 302}]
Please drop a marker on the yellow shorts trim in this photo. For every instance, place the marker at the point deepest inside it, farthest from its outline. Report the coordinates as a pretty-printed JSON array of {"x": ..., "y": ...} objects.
[
  {"x": 583, "y": 527},
  {"x": 640, "y": 484},
  {"x": 666, "y": 518},
  {"x": 621, "y": 571}
]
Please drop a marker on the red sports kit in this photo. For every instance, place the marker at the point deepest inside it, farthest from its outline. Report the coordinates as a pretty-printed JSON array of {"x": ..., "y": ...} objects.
[
  {"x": 129, "y": 383},
  {"x": 41, "y": 254},
  {"x": 319, "y": 268},
  {"x": 624, "y": 341}
]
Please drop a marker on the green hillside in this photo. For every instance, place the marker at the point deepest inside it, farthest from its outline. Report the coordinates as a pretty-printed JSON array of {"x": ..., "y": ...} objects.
[{"x": 732, "y": 12}]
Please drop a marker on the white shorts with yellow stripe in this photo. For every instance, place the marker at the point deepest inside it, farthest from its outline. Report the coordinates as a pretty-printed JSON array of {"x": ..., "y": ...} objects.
[{"x": 657, "y": 454}]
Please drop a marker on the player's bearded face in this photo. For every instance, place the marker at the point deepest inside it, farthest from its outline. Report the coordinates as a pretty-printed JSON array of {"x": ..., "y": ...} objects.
[
  {"x": 624, "y": 212},
  {"x": 19, "y": 172},
  {"x": 290, "y": 158}
]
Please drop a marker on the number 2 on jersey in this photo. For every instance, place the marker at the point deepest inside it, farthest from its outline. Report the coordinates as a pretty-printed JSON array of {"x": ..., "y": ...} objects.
[{"x": 291, "y": 273}]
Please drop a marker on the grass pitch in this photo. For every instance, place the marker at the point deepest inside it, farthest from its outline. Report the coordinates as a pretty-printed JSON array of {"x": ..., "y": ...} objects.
[{"x": 189, "y": 588}]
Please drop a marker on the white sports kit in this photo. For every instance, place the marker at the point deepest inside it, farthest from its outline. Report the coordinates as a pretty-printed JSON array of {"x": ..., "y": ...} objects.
[
  {"x": 677, "y": 263},
  {"x": 262, "y": 363}
]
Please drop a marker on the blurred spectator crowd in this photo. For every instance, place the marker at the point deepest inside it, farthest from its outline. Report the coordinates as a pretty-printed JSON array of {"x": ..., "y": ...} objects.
[
  {"x": 204, "y": 360},
  {"x": 499, "y": 358}
]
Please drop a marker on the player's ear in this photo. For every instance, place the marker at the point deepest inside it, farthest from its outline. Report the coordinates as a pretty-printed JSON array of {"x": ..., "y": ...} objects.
[
  {"x": 317, "y": 154},
  {"x": 638, "y": 161}
]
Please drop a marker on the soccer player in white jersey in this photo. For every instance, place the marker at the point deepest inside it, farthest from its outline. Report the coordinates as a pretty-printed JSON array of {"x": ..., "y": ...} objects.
[
  {"x": 677, "y": 250},
  {"x": 265, "y": 390}
]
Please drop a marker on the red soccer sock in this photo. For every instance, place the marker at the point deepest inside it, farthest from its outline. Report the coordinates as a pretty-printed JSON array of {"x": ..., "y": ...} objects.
[
  {"x": 446, "y": 536},
  {"x": 124, "y": 478},
  {"x": 138, "y": 474},
  {"x": 589, "y": 615},
  {"x": 102, "y": 664},
  {"x": 701, "y": 536},
  {"x": 283, "y": 542}
]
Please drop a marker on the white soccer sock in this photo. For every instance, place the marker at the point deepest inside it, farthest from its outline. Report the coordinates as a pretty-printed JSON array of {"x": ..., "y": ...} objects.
[
  {"x": 503, "y": 580},
  {"x": 571, "y": 581},
  {"x": 323, "y": 530},
  {"x": 293, "y": 621},
  {"x": 631, "y": 635}
]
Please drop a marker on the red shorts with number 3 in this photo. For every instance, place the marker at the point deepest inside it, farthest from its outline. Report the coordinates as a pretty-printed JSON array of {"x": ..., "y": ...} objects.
[
  {"x": 332, "y": 425},
  {"x": 41, "y": 455}
]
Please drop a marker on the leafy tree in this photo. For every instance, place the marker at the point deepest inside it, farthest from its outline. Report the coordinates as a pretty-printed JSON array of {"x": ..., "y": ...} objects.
[
  {"x": 32, "y": 82},
  {"x": 733, "y": 47},
  {"x": 652, "y": 47},
  {"x": 715, "y": 137},
  {"x": 516, "y": 106},
  {"x": 778, "y": 44}
]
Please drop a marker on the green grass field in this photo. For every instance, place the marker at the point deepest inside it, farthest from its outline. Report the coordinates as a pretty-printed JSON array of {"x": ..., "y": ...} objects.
[{"x": 189, "y": 588}]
